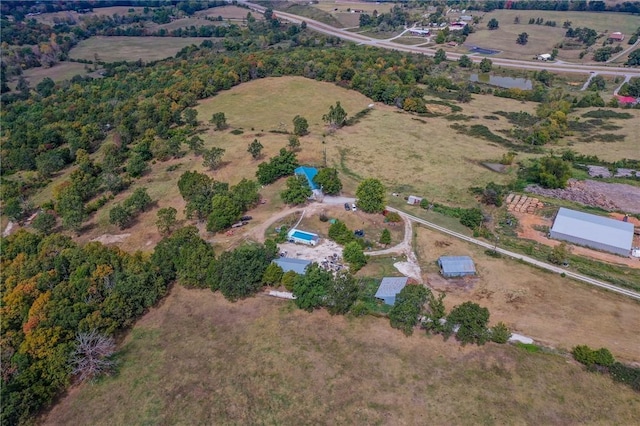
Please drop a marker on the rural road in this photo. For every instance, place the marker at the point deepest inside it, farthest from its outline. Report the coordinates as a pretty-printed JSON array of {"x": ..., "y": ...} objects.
[
  {"x": 490, "y": 246},
  {"x": 385, "y": 44}
]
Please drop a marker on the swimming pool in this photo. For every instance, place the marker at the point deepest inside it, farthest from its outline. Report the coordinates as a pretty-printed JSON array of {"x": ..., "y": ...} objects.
[
  {"x": 298, "y": 236},
  {"x": 303, "y": 235}
]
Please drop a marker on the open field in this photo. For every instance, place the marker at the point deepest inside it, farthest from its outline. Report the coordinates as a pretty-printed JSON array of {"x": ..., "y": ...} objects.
[
  {"x": 111, "y": 49},
  {"x": 553, "y": 310},
  {"x": 228, "y": 12},
  {"x": 342, "y": 6},
  {"x": 50, "y": 18},
  {"x": 59, "y": 72},
  {"x": 427, "y": 158},
  {"x": 201, "y": 358},
  {"x": 542, "y": 38}
]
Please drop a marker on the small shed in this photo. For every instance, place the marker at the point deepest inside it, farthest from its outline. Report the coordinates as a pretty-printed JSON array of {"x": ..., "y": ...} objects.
[
  {"x": 299, "y": 266},
  {"x": 544, "y": 57},
  {"x": 389, "y": 288},
  {"x": 413, "y": 200},
  {"x": 616, "y": 36},
  {"x": 456, "y": 266}
]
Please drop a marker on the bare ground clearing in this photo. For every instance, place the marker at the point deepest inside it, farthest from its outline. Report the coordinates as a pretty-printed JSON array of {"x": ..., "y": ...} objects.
[
  {"x": 553, "y": 310},
  {"x": 201, "y": 358},
  {"x": 608, "y": 196}
]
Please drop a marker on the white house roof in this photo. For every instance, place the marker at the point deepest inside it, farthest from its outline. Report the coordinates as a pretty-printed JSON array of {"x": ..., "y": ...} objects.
[
  {"x": 391, "y": 286},
  {"x": 599, "y": 229}
]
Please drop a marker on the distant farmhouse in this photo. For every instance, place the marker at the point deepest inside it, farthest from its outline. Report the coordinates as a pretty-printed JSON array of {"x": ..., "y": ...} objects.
[
  {"x": 389, "y": 288},
  {"x": 617, "y": 36},
  {"x": 589, "y": 230},
  {"x": 456, "y": 266},
  {"x": 299, "y": 266}
]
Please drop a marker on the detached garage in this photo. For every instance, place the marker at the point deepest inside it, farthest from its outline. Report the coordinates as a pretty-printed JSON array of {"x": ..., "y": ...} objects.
[
  {"x": 589, "y": 230},
  {"x": 456, "y": 266}
]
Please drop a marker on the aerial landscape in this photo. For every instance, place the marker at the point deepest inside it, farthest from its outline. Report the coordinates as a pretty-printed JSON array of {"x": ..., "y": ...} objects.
[{"x": 320, "y": 212}]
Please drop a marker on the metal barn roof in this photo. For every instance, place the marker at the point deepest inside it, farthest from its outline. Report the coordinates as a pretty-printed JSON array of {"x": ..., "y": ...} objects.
[
  {"x": 599, "y": 229},
  {"x": 309, "y": 173},
  {"x": 457, "y": 265},
  {"x": 290, "y": 264},
  {"x": 390, "y": 286}
]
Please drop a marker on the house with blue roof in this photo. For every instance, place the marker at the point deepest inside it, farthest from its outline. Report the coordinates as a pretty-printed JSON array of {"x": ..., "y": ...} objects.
[
  {"x": 389, "y": 289},
  {"x": 456, "y": 266},
  {"x": 309, "y": 173}
]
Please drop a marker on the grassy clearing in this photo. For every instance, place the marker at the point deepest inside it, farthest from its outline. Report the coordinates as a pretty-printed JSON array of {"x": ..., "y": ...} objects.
[
  {"x": 228, "y": 12},
  {"x": 312, "y": 13},
  {"x": 111, "y": 49},
  {"x": 543, "y": 38},
  {"x": 59, "y": 72},
  {"x": 201, "y": 358},
  {"x": 553, "y": 310}
]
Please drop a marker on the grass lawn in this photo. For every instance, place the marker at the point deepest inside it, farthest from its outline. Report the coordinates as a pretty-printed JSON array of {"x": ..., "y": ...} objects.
[
  {"x": 260, "y": 360},
  {"x": 543, "y": 38},
  {"x": 111, "y": 49},
  {"x": 228, "y": 12}
]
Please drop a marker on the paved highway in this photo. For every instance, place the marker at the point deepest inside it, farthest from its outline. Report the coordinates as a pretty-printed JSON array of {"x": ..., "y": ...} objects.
[{"x": 510, "y": 63}]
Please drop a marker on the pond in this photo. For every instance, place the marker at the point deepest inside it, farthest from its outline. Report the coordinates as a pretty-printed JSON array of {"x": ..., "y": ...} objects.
[{"x": 506, "y": 82}]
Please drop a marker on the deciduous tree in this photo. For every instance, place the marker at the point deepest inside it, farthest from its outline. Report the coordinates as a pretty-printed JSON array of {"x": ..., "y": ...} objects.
[
  {"x": 354, "y": 256},
  {"x": 471, "y": 320},
  {"x": 300, "y": 125},
  {"x": 493, "y": 24},
  {"x": 385, "y": 237},
  {"x": 297, "y": 191},
  {"x": 336, "y": 116},
  {"x": 311, "y": 288},
  {"x": 223, "y": 214},
  {"x": 486, "y": 65},
  {"x": 407, "y": 308},
  {"x": 328, "y": 179},
  {"x": 166, "y": 220},
  {"x": 219, "y": 120},
  {"x": 371, "y": 196},
  {"x": 342, "y": 293},
  {"x": 255, "y": 149},
  {"x": 213, "y": 157},
  {"x": 44, "y": 222},
  {"x": 93, "y": 355}
]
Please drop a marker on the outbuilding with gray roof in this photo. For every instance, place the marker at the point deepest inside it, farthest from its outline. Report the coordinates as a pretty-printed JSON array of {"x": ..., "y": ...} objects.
[
  {"x": 456, "y": 266},
  {"x": 389, "y": 288},
  {"x": 299, "y": 266},
  {"x": 589, "y": 230}
]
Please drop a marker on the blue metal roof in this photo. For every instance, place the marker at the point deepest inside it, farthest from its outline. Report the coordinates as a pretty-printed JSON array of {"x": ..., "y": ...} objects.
[
  {"x": 309, "y": 173},
  {"x": 598, "y": 229},
  {"x": 390, "y": 286},
  {"x": 290, "y": 264},
  {"x": 456, "y": 265}
]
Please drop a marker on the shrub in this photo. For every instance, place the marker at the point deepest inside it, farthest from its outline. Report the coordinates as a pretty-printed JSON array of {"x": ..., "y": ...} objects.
[
  {"x": 583, "y": 354},
  {"x": 500, "y": 333}
]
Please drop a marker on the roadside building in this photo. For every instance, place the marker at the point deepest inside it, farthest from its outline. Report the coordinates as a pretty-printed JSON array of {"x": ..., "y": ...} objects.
[
  {"x": 419, "y": 32},
  {"x": 616, "y": 36},
  {"x": 299, "y": 266},
  {"x": 589, "y": 230},
  {"x": 544, "y": 57},
  {"x": 456, "y": 266},
  {"x": 413, "y": 200},
  {"x": 389, "y": 289}
]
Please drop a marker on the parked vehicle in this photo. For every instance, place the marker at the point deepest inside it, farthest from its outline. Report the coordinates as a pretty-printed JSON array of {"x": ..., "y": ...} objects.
[
  {"x": 353, "y": 207},
  {"x": 347, "y": 207},
  {"x": 245, "y": 218}
]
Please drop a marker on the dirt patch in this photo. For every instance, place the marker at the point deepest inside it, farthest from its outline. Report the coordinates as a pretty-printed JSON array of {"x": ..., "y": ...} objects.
[
  {"x": 111, "y": 239},
  {"x": 608, "y": 196}
]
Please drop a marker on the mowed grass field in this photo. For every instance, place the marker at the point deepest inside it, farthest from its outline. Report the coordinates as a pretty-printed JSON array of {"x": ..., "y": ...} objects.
[
  {"x": 59, "y": 72},
  {"x": 198, "y": 359},
  {"x": 542, "y": 38},
  {"x": 556, "y": 311},
  {"x": 112, "y": 49}
]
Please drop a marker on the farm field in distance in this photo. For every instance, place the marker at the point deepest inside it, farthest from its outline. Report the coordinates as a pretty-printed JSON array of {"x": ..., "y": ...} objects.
[
  {"x": 260, "y": 360},
  {"x": 119, "y": 48},
  {"x": 542, "y": 38}
]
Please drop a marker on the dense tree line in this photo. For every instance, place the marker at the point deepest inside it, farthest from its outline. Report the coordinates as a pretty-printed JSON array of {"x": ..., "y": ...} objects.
[{"x": 51, "y": 290}]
